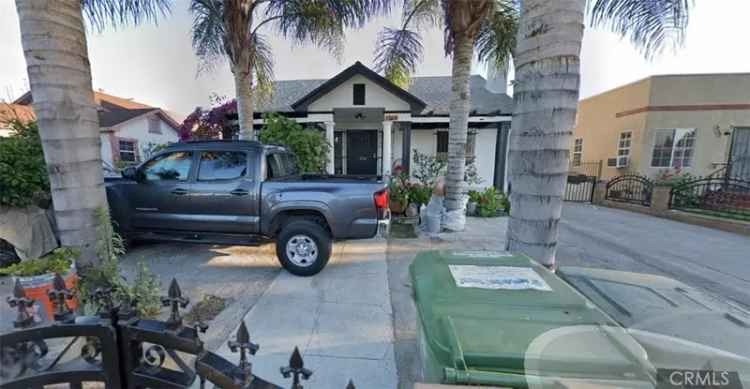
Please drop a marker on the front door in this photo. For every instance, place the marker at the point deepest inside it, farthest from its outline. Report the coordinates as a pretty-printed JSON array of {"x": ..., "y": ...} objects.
[
  {"x": 739, "y": 158},
  {"x": 362, "y": 152}
]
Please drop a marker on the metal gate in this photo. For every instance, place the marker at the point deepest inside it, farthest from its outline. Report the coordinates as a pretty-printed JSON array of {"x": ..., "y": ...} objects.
[
  {"x": 119, "y": 350},
  {"x": 581, "y": 181},
  {"x": 739, "y": 154}
]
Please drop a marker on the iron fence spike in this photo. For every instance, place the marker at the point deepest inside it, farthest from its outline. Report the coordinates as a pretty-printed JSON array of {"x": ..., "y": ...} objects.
[
  {"x": 350, "y": 385},
  {"x": 295, "y": 361}
]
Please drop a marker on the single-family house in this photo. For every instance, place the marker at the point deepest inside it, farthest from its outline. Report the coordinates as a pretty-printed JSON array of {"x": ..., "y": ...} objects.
[
  {"x": 129, "y": 130},
  {"x": 10, "y": 112},
  {"x": 699, "y": 123},
  {"x": 374, "y": 125}
]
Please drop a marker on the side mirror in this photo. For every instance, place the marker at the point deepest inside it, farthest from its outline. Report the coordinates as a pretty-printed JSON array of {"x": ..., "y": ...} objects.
[{"x": 130, "y": 173}]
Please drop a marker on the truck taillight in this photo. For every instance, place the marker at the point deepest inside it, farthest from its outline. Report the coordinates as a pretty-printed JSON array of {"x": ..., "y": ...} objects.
[{"x": 381, "y": 199}]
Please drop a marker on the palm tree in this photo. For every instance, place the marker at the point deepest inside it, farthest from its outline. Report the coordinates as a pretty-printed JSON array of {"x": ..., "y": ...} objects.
[
  {"x": 231, "y": 29},
  {"x": 54, "y": 43},
  {"x": 489, "y": 26},
  {"x": 546, "y": 96}
]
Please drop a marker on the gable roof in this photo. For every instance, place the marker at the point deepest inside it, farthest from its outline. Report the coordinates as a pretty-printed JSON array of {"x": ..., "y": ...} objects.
[
  {"x": 434, "y": 92},
  {"x": 358, "y": 68},
  {"x": 10, "y": 112},
  {"x": 112, "y": 110}
]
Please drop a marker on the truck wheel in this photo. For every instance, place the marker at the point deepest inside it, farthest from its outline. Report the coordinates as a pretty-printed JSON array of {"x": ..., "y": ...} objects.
[{"x": 303, "y": 247}]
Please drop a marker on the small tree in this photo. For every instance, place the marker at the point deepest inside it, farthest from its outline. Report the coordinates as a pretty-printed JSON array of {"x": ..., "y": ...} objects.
[
  {"x": 23, "y": 172},
  {"x": 308, "y": 144}
]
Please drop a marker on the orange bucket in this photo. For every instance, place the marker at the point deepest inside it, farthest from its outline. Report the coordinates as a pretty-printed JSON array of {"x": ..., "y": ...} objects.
[{"x": 36, "y": 288}]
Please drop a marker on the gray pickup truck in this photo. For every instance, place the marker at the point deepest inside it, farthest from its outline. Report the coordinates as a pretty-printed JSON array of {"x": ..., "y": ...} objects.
[{"x": 239, "y": 192}]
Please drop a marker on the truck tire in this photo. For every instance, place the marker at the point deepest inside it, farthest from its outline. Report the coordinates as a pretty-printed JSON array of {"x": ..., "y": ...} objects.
[{"x": 303, "y": 247}]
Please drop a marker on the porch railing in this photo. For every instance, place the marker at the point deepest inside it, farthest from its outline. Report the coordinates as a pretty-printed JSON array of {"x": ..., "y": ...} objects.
[{"x": 713, "y": 196}]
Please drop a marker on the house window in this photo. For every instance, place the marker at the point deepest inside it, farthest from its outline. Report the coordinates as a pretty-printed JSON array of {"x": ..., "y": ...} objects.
[
  {"x": 127, "y": 150},
  {"x": 442, "y": 145},
  {"x": 673, "y": 148},
  {"x": 623, "y": 148},
  {"x": 154, "y": 125},
  {"x": 577, "y": 151},
  {"x": 359, "y": 94}
]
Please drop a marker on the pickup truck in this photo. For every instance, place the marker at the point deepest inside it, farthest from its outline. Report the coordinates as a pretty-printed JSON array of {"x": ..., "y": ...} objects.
[{"x": 240, "y": 192}]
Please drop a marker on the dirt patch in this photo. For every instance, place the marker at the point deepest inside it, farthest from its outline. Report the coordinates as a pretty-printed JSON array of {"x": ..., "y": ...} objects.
[{"x": 206, "y": 309}]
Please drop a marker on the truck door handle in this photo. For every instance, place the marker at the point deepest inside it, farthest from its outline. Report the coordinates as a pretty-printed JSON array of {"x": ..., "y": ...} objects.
[
  {"x": 180, "y": 191},
  {"x": 239, "y": 192}
]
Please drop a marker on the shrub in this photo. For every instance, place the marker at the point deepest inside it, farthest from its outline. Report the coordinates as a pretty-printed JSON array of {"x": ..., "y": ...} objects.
[
  {"x": 58, "y": 261},
  {"x": 420, "y": 194},
  {"x": 398, "y": 189},
  {"x": 23, "y": 172},
  {"x": 308, "y": 145},
  {"x": 673, "y": 177},
  {"x": 428, "y": 168},
  {"x": 487, "y": 205}
]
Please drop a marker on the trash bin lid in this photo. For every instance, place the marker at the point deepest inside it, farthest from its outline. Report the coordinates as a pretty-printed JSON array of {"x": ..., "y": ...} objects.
[{"x": 499, "y": 312}]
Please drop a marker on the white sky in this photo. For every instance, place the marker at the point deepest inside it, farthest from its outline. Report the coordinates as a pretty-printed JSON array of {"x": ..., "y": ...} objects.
[{"x": 156, "y": 65}]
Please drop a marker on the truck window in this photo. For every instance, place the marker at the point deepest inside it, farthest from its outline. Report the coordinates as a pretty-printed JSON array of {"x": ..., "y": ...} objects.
[
  {"x": 275, "y": 168},
  {"x": 222, "y": 165},
  {"x": 172, "y": 166},
  {"x": 290, "y": 164}
]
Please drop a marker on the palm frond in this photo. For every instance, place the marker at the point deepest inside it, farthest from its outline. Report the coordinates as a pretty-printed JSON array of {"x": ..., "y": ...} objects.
[
  {"x": 262, "y": 63},
  {"x": 397, "y": 53},
  {"x": 208, "y": 31},
  {"x": 101, "y": 13},
  {"x": 648, "y": 24},
  {"x": 464, "y": 19},
  {"x": 496, "y": 39},
  {"x": 317, "y": 21},
  {"x": 422, "y": 14}
]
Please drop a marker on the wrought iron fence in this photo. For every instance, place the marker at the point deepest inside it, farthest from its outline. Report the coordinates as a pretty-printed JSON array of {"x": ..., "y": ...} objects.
[
  {"x": 581, "y": 181},
  {"x": 120, "y": 350},
  {"x": 630, "y": 188},
  {"x": 713, "y": 196}
]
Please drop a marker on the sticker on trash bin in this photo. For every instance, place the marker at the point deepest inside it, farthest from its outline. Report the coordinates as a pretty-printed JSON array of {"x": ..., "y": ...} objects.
[
  {"x": 482, "y": 254},
  {"x": 497, "y": 277}
]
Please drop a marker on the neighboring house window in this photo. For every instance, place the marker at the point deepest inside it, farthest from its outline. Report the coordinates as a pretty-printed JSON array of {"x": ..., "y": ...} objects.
[
  {"x": 577, "y": 151},
  {"x": 154, "y": 125},
  {"x": 442, "y": 145},
  {"x": 172, "y": 166},
  {"x": 222, "y": 165},
  {"x": 673, "y": 148},
  {"x": 623, "y": 148},
  {"x": 127, "y": 150},
  {"x": 359, "y": 94}
]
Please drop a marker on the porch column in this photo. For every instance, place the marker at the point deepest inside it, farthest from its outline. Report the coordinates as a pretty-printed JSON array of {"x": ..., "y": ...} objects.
[
  {"x": 329, "y": 138},
  {"x": 387, "y": 157},
  {"x": 406, "y": 146}
]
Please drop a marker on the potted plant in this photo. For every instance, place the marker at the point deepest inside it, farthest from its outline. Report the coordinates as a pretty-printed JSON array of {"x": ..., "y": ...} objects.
[
  {"x": 471, "y": 206},
  {"x": 36, "y": 276},
  {"x": 398, "y": 193}
]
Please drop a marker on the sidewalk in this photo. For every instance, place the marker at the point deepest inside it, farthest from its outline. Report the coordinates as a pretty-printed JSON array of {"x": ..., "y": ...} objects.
[{"x": 341, "y": 320}]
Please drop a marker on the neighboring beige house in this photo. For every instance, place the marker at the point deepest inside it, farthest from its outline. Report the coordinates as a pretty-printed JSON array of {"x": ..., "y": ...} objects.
[
  {"x": 129, "y": 129},
  {"x": 695, "y": 122}
]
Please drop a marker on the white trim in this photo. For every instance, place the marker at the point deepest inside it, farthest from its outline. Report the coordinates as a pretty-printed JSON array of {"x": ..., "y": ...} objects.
[{"x": 446, "y": 119}]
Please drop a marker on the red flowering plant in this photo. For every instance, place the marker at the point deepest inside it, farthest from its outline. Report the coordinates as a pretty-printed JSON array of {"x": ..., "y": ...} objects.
[{"x": 209, "y": 124}]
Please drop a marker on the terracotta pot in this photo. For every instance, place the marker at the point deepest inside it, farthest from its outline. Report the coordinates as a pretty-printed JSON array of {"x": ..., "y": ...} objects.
[
  {"x": 36, "y": 288},
  {"x": 397, "y": 207}
]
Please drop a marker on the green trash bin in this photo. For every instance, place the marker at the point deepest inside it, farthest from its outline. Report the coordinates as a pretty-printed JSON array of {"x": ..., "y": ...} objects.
[{"x": 497, "y": 319}]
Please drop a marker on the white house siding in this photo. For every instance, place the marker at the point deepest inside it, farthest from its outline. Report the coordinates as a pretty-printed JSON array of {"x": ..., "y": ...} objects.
[
  {"x": 342, "y": 97},
  {"x": 106, "y": 148},
  {"x": 485, "y": 151},
  {"x": 138, "y": 129}
]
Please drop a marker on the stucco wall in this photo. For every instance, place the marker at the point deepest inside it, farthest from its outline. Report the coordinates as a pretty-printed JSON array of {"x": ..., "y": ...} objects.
[
  {"x": 600, "y": 129},
  {"x": 709, "y": 103},
  {"x": 342, "y": 97}
]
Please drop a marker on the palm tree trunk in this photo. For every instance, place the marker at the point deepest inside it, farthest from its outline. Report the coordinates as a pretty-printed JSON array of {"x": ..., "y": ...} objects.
[
  {"x": 455, "y": 185},
  {"x": 546, "y": 97},
  {"x": 54, "y": 44},
  {"x": 243, "y": 84}
]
